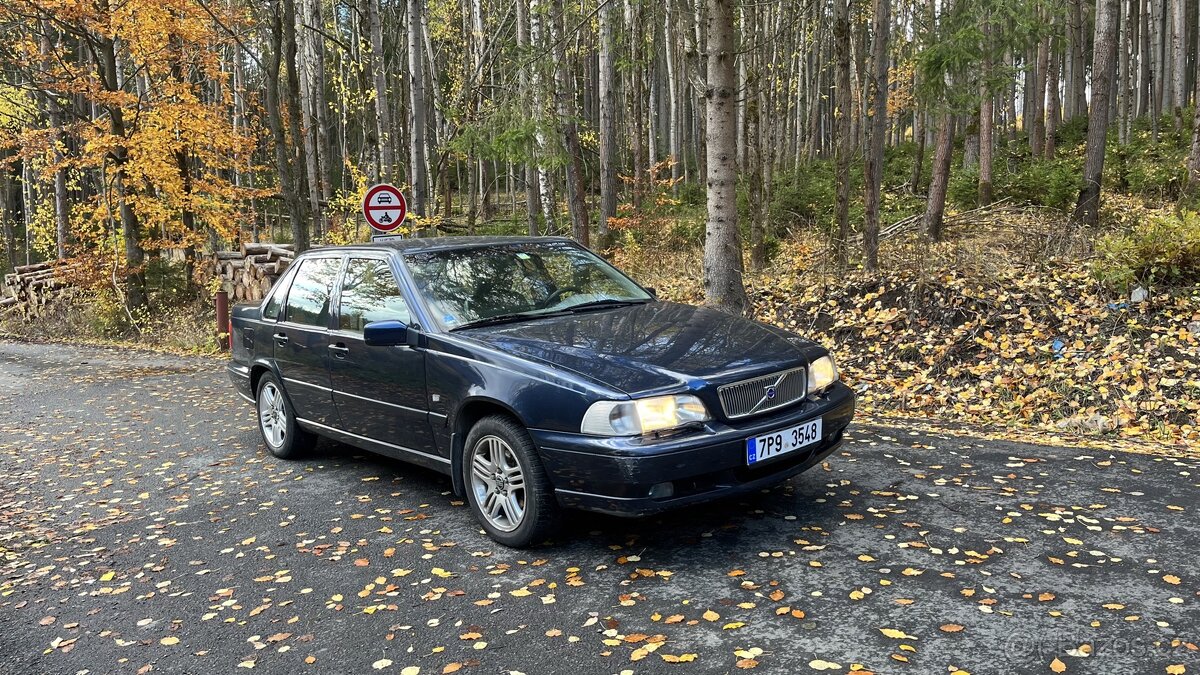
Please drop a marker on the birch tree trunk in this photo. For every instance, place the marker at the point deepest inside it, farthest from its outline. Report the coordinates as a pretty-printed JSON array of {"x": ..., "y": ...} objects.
[
  {"x": 533, "y": 204},
  {"x": 545, "y": 188},
  {"x": 723, "y": 284},
  {"x": 1179, "y": 54},
  {"x": 1087, "y": 211},
  {"x": 880, "y": 27}
]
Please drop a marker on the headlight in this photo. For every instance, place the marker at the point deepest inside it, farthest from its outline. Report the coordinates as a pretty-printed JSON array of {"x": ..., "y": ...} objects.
[
  {"x": 822, "y": 373},
  {"x": 642, "y": 416}
]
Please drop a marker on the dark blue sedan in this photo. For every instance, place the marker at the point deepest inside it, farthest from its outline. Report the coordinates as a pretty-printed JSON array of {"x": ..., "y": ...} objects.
[{"x": 536, "y": 375}]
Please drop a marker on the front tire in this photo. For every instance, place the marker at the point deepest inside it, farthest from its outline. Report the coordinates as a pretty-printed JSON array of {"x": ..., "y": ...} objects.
[
  {"x": 507, "y": 487},
  {"x": 277, "y": 421}
]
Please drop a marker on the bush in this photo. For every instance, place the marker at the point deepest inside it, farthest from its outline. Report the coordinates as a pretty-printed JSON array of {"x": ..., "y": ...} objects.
[
  {"x": 1161, "y": 249},
  {"x": 1044, "y": 182},
  {"x": 963, "y": 189}
]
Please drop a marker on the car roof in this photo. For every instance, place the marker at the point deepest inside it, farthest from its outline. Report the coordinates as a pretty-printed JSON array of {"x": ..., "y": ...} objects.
[{"x": 405, "y": 245}]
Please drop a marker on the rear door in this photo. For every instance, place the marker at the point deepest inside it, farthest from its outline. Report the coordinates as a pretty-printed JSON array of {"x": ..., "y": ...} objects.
[
  {"x": 379, "y": 391},
  {"x": 301, "y": 339}
]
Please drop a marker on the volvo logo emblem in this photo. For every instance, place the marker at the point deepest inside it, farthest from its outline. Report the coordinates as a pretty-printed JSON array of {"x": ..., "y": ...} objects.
[{"x": 771, "y": 392}]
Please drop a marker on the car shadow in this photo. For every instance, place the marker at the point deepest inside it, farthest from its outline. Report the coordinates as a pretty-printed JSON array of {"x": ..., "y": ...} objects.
[{"x": 728, "y": 520}]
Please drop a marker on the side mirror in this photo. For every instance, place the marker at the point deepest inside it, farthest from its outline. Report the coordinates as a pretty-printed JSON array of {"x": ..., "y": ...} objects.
[{"x": 387, "y": 334}]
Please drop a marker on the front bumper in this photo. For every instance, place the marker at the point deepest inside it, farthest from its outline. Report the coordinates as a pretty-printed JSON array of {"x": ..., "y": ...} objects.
[{"x": 615, "y": 475}]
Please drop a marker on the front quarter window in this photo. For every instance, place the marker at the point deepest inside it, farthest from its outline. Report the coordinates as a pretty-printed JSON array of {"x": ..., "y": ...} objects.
[{"x": 369, "y": 294}]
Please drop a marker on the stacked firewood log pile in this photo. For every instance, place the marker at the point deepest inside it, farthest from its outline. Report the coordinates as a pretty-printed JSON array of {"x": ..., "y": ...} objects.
[
  {"x": 248, "y": 273},
  {"x": 30, "y": 288}
]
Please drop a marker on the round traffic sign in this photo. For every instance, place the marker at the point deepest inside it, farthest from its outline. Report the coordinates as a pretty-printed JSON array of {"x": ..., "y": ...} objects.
[{"x": 384, "y": 207}]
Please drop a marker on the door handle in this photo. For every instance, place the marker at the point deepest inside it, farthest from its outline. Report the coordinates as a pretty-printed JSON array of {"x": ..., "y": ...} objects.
[
  {"x": 339, "y": 350},
  {"x": 280, "y": 338}
]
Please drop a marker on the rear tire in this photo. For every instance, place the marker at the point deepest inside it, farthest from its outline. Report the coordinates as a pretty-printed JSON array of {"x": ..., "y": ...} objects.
[
  {"x": 277, "y": 421},
  {"x": 507, "y": 487}
]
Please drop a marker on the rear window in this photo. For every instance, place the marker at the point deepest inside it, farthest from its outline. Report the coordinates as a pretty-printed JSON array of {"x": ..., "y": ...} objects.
[{"x": 308, "y": 299}]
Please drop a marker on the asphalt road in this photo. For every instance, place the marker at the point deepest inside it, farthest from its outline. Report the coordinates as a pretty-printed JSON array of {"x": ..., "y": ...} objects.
[{"x": 143, "y": 528}]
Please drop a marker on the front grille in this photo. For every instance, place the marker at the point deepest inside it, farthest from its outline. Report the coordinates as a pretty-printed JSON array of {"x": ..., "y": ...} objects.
[{"x": 768, "y": 392}]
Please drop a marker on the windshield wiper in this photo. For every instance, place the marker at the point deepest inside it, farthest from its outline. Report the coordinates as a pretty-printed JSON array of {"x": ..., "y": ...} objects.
[
  {"x": 505, "y": 318},
  {"x": 607, "y": 302}
]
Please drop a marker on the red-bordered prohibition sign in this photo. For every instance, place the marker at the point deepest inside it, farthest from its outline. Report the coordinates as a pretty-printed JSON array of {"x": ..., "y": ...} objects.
[{"x": 384, "y": 207}]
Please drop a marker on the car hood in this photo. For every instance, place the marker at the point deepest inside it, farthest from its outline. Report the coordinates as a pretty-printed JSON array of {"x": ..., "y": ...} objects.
[{"x": 652, "y": 346}]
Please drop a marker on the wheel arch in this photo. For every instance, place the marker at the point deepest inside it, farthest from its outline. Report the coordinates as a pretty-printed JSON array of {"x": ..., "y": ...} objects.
[{"x": 469, "y": 412}]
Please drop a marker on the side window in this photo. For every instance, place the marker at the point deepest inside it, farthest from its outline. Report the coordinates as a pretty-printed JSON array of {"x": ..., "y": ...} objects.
[
  {"x": 275, "y": 302},
  {"x": 369, "y": 293},
  {"x": 308, "y": 301}
]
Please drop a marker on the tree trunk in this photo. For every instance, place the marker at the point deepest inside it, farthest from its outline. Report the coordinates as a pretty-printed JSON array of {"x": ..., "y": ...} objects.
[
  {"x": 723, "y": 285},
  {"x": 1079, "y": 56},
  {"x": 1087, "y": 211},
  {"x": 307, "y": 62},
  {"x": 301, "y": 216},
  {"x": 608, "y": 123},
  {"x": 935, "y": 208},
  {"x": 533, "y": 204},
  {"x": 135, "y": 255},
  {"x": 417, "y": 166},
  {"x": 986, "y": 99},
  {"x": 1179, "y": 54},
  {"x": 545, "y": 188},
  {"x": 1052, "y": 103},
  {"x": 881, "y": 25},
  {"x": 1194, "y": 161},
  {"x": 564, "y": 96},
  {"x": 1037, "y": 135},
  {"x": 54, "y": 116},
  {"x": 843, "y": 140}
]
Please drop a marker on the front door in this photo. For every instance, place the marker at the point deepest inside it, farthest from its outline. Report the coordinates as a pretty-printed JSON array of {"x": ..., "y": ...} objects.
[
  {"x": 379, "y": 391},
  {"x": 301, "y": 339}
]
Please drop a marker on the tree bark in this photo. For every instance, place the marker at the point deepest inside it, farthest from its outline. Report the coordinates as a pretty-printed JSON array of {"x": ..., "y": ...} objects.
[
  {"x": 564, "y": 95},
  {"x": 843, "y": 141},
  {"x": 1087, "y": 211},
  {"x": 1052, "y": 102},
  {"x": 935, "y": 208},
  {"x": 1179, "y": 54},
  {"x": 545, "y": 187},
  {"x": 1194, "y": 161},
  {"x": 135, "y": 255},
  {"x": 301, "y": 217},
  {"x": 1037, "y": 135},
  {"x": 723, "y": 284},
  {"x": 417, "y": 166},
  {"x": 881, "y": 25},
  {"x": 608, "y": 123},
  {"x": 533, "y": 204},
  {"x": 986, "y": 100}
]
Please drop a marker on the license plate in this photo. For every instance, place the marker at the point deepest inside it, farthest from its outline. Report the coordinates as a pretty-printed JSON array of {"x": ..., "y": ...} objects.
[{"x": 781, "y": 442}]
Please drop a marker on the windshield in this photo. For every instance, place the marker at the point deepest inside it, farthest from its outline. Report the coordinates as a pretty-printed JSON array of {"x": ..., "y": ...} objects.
[{"x": 468, "y": 285}]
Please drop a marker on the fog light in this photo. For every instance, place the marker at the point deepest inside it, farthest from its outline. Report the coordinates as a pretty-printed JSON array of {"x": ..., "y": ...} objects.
[{"x": 662, "y": 490}]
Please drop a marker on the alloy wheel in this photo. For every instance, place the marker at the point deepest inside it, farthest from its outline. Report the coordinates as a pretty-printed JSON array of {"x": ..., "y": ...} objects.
[
  {"x": 498, "y": 483},
  {"x": 272, "y": 416}
]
